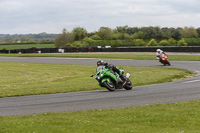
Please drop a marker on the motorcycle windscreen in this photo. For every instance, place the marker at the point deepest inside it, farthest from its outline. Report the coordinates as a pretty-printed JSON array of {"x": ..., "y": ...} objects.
[{"x": 99, "y": 68}]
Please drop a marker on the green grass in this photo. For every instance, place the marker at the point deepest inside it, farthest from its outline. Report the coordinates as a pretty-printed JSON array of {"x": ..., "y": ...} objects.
[
  {"x": 111, "y": 56},
  {"x": 25, "y": 46},
  {"x": 181, "y": 117},
  {"x": 19, "y": 79}
]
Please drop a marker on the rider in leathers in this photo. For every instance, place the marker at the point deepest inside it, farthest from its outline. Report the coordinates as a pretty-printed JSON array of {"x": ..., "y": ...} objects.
[
  {"x": 101, "y": 63},
  {"x": 159, "y": 53}
]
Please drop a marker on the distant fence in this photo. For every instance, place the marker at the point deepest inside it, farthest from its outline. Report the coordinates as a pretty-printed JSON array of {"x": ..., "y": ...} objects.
[{"x": 97, "y": 49}]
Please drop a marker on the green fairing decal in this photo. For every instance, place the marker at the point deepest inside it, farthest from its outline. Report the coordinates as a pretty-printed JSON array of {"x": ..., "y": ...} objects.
[
  {"x": 105, "y": 79},
  {"x": 117, "y": 67},
  {"x": 106, "y": 75},
  {"x": 111, "y": 75}
]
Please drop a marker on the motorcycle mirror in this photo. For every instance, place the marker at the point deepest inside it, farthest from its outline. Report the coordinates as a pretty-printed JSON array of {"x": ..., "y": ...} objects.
[{"x": 91, "y": 75}]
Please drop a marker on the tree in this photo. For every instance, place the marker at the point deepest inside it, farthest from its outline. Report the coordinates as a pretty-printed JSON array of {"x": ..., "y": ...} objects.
[
  {"x": 105, "y": 33},
  {"x": 188, "y": 32},
  {"x": 198, "y": 31},
  {"x": 63, "y": 39},
  {"x": 79, "y": 33},
  {"x": 122, "y": 29},
  {"x": 120, "y": 35},
  {"x": 138, "y": 35},
  {"x": 132, "y": 30},
  {"x": 165, "y": 33},
  {"x": 116, "y": 35},
  {"x": 88, "y": 41},
  {"x": 125, "y": 36},
  {"x": 151, "y": 32},
  {"x": 175, "y": 33}
]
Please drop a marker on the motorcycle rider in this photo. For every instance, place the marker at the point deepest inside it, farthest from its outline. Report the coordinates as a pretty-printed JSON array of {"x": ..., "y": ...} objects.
[
  {"x": 159, "y": 53},
  {"x": 101, "y": 63}
]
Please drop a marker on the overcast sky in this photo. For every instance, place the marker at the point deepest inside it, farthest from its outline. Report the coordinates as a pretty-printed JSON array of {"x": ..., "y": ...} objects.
[{"x": 51, "y": 16}]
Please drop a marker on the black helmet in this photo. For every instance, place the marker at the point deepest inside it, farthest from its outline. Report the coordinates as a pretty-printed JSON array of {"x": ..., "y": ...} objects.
[{"x": 100, "y": 62}]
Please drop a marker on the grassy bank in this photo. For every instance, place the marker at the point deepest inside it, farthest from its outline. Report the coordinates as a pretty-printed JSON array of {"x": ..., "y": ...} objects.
[
  {"x": 181, "y": 117},
  {"x": 19, "y": 79},
  {"x": 111, "y": 56}
]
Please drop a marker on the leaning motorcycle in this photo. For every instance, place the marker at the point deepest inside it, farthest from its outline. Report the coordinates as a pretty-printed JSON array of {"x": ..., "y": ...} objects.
[
  {"x": 111, "y": 80},
  {"x": 164, "y": 59}
]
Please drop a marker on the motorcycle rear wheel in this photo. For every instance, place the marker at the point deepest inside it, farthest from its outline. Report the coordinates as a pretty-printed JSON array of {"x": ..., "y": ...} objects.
[{"x": 110, "y": 86}]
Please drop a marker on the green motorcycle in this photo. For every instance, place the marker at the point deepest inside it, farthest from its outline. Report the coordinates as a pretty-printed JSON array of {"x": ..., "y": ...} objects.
[{"x": 111, "y": 80}]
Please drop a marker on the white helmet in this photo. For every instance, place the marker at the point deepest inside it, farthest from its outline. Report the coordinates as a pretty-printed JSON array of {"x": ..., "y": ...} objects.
[{"x": 158, "y": 50}]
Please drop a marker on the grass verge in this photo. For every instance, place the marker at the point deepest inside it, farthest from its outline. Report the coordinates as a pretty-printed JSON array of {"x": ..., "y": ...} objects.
[
  {"x": 25, "y": 46},
  {"x": 181, "y": 117},
  {"x": 111, "y": 56},
  {"x": 20, "y": 79}
]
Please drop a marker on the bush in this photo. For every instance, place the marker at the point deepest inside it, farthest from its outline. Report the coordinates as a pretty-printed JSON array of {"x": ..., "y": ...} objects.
[
  {"x": 164, "y": 43},
  {"x": 76, "y": 44},
  {"x": 182, "y": 43},
  {"x": 3, "y": 49},
  {"x": 171, "y": 42},
  {"x": 68, "y": 45},
  {"x": 192, "y": 41},
  {"x": 152, "y": 42},
  {"x": 139, "y": 42}
]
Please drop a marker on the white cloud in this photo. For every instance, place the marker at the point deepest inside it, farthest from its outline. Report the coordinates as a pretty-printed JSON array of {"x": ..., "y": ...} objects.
[{"x": 35, "y": 16}]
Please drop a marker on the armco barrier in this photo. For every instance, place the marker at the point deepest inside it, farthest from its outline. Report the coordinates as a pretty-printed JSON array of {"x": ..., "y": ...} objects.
[
  {"x": 151, "y": 49},
  {"x": 96, "y": 49},
  {"x": 4, "y": 51}
]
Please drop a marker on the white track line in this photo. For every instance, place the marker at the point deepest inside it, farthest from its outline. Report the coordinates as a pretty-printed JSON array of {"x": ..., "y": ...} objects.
[{"x": 192, "y": 81}]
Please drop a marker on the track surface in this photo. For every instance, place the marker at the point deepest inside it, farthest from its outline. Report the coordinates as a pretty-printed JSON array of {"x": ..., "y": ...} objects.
[{"x": 185, "y": 90}]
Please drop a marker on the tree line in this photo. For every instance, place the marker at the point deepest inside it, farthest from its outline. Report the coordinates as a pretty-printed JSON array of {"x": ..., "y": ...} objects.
[
  {"x": 27, "y": 38},
  {"x": 130, "y": 36},
  {"x": 117, "y": 37}
]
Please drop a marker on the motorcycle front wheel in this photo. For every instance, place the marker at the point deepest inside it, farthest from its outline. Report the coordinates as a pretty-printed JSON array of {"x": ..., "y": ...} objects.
[
  {"x": 128, "y": 85},
  {"x": 110, "y": 86},
  {"x": 168, "y": 63}
]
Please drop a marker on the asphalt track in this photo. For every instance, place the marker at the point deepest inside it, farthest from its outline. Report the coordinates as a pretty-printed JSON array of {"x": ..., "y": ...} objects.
[{"x": 184, "y": 90}]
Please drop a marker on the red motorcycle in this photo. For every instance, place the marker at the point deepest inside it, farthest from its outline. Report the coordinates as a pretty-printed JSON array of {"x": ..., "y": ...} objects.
[{"x": 164, "y": 60}]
